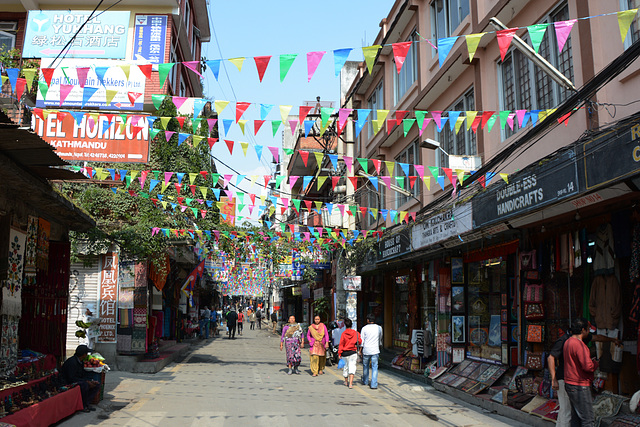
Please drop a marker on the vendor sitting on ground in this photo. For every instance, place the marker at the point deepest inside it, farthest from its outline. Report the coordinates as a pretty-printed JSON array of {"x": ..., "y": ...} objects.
[{"x": 73, "y": 372}]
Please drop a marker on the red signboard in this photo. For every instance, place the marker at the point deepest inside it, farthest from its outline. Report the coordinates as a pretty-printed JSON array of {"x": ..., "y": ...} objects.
[
  {"x": 108, "y": 296},
  {"x": 97, "y": 138}
]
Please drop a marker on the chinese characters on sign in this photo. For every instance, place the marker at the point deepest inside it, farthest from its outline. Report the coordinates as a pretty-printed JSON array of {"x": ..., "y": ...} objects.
[
  {"x": 149, "y": 43},
  {"x": 48, "y": 31},
  {"x": 108, "y": 296}
]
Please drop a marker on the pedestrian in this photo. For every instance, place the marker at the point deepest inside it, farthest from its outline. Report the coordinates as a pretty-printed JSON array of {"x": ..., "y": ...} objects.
[
  {"x": 240, "y": 321},
  {"x": 259, "y": 317},
  {"x": 204, "y": 323},
  {"x": 371, "y": 341},
  {"x": 274, "y": 321},
  {"x": 555, "y": 362},
  {"x": 318, "y": 338},
  {"x": 232, "y": 319},
  {"x": 214, "y": 322},
  {"x": 252, "y": 319},
  {"x": 578, "y": 374},
  {"x": 293, "y": 341},
  {"x": 347, "y": 350}
]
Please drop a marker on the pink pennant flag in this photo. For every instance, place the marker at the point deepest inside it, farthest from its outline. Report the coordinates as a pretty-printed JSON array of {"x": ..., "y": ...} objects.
[
  {"x": 303, "y": 112},
  {"x": 426, "y": 122},
  {"x": 510, "y": 120},
  {"x": 261, "y": 65},
  {"x": 386, "y": 180},
  {"x": 82, "y": 75},
  {"x": 178, "y": 101},
  {"x": 168, "y": 134},
  {"x": 292, "y": 180},
  {"x": 193, "y": 66},
  {"x": 64, "y": 92},
  {"x": 274, "y": 152},
  {"x": 349, "y": 162},
  {"x": 229, "y": 194},
  {"x": 563, "y": 28},
  {"x": 292, "y": 125},
  {"x": 400, "y": 51},
  {"x": 437, "y": 117},
  {"x": 343, "y": 115},
  {"x": 420, "y": 170},
  {"x": 167, "y": 177},
  {"x": 341, "y": 207},
  {"x": 211, "y": 123},
  {"x": 227, "y": 178},
  {"x": 313, "y": 59},
  {"x": 504, "y": 40},
  {"x": 520, "y": 115},
  {"x": 143, "y": 177}
]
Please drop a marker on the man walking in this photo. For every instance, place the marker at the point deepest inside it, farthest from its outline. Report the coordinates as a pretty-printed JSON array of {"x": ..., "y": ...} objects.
[
  {"x": 371, "y": 335},
  {"x": 274, "y": 321},
  {"x": 259, "y": 317},
  {"x": 578, "y": 374},
  {"x": 555, "y": 362},
  {"x": 232, "y": 319},
  {"x": 204, "y": 323},
  {"x": 240, "y": 321}
]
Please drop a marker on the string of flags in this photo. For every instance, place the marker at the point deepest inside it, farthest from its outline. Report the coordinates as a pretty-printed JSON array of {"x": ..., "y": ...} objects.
[{"x": 340, "y": 56}]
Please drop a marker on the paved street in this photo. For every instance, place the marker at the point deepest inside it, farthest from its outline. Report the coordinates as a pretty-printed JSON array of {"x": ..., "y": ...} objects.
[{"x": 244, "y": 381}]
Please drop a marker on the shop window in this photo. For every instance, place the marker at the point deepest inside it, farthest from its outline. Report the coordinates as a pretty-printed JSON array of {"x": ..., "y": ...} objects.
[
  {"x": 464, "y": 141},
  {"x": 376, "y": 102},
  {"x": 409, "y": 73},
  {"x": 524, "y": 86},
  {"x": 411, "y": 156},
  {"x": 401, "y": 306},
  {"x": 7, "y": 35},
  {"x": 446, "y": 16},
  {"x": 634, "y": 30}
]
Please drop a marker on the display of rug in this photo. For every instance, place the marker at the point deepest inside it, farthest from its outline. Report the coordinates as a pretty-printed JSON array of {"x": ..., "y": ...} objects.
[
  {"x": 31, "y": 250},
  {"x": 606, "y": 405},
  {"x": 126, "y": 317},
  {"x": 140, "y": 317},
  {"x": 139, "y": 340},
  {"x": 44, "y": 234},
  {"x": 534, "y": 404},
  {"x": 548, "y": 410},
  {"x": 12, "y": 287},
  {"x": 8, "y": 344},
  {"x": 125, "y": 298},
  {"x": 123, "y": 344},
  {"x": 626, "y": 421}
]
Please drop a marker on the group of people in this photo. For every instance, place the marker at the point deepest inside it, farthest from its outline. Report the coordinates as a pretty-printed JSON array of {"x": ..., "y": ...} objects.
[
  {"x": 234, "y": 318},
  {"x": 351, "y": 343}
]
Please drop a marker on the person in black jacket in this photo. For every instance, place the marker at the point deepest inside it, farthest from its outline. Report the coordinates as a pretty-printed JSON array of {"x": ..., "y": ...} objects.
[
  {"x": 73, "y": 372},
  {"x": 232, "y": 320}
]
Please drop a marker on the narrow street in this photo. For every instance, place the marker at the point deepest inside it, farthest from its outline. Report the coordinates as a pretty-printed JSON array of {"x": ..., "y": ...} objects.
[{"x": 244, "y": 381}]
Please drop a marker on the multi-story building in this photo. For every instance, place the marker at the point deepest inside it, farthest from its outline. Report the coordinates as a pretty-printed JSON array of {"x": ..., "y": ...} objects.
[{"x": 494, "y": 106}]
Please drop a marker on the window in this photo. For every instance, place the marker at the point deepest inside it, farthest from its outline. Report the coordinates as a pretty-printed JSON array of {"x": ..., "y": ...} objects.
[
  {"x": 173, "y": 77},
  {"x": 183, "y": 88},
  {"x": 187, "y": 15},
  {"x": 376, "y": 102},
  {"x": 411, "y": 156},
  {"x": 524, "y": 86},
  {"x": 446, "y": 16},
  {"x": 7, "y": 35},
  {"x": 634, "y": 31},
  {"x": 464, "y": 141},
  {"x": 409, "y": 72},
  {"x": 194, "y": 43}
]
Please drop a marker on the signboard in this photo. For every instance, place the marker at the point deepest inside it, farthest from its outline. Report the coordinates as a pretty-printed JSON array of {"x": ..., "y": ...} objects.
[
  {"x": 297, "y": 266},
  {"x": 150, "y": 38},
  {"x": 466, "y": 163},
  {"x": 95, "y": 142},
  {"x": 108, "y": 297},
  {"x": 611, "y": 156},
  {"x": 296, "y": 291},
  {"x": 48, "y": 31},
  {"x": 538, "y": 185},
  {"x": 228, "y": 210},
  {"x": 318, "y": 293},
  {"x": 393, "y": 246},
  {"x": 352, "y": 283},
  {"x": 453, "y": 222},
  {"x": 95, "y": 89}
]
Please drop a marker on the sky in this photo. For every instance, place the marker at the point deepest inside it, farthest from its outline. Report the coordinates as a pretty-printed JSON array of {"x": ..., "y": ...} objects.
[{"x": 262, "y": 28}]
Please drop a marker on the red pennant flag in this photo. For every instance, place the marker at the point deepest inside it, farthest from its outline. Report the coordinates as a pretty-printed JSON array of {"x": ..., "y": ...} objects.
[
  {"x": 400, "y": 51},
  {"x": 257, "y": 124},
  {"x": 449, "y": 174},
  {"x": 565, "y": 118},
  {"x": 20, "y": 85},
  {"x": 377, "y": 164},
  {"x": 308, "y": 204},
  {"x": 413, "y": 215},
  {"x": 261, "y": 65},
  {"x": 305, "y": 157},
  {"x": 204, "y": 174},
  {"x": 178, "y": 187},
  {"x": 241, "y": 107},
  {"x": 133, "y": 96},
  {"x": 304, "y": 111},
  {"x": 485, "y": 117},
  {"x": 38, "y": 113},
  {"x": 180, "y": 200},
  {"x": 334, "y": 182},
  {"x": 47, "y": 73},
  {"x": 391, "y": 124},
  {"x": 193, "y": 189},
  {"x": 211, "y": 142},
  {"x": 181, "y": 121},
  {"x": 363, "y": 211},
  {"x": 400, "y": 115},
  {"x": 146, "y": 70},
  {"x": 267, "y": 178},
  {"x": 230, "y": 145},
  {"x": 476, "y": 123},
  {"x": 354, "y": 181},
  {"x": 412, "y": 181},
  {"x": 504, "y": 40},
  {"x": 482, "y": 181}
]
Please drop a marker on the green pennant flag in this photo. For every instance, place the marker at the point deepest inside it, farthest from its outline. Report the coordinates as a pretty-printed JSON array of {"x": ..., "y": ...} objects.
[
  {"x": 188, "y": 201},
  {"x": 128, "y": 181},
  {"x": 325, "y": 114},
  {"x": 283, "y": 226},
  {"x": 156, "y": 175},
  {"x": 279, "y": 179},
  {"x": 157, "y": 100},
  {"x": 364, "y": 163},
  {"x": 420, "y": 117},
  {"x": 288, "y": 151},
  {"x": 503, "y": 118},
  {"x": 296, "y": 203},
  {"x": 353, "y": 210},
  {"x": 195, "y": 212},
  {"x": 434, "y": 171},
  {"x": 195, "y": 123},
  {"x": 163, "y": 71},
  {"x": 536, "y": 32},
  {"x": 153, "y": 133},
  {"x": 400, "y": 181},
  {"x": 275, "y": 125},
  {"x": 43, "y": 89},
  {"x": 407, "y": 124},
  {"x": 240, "y": 195},
  {"x": 285, "y": 64},
  {"x": 491, "y": 122}
]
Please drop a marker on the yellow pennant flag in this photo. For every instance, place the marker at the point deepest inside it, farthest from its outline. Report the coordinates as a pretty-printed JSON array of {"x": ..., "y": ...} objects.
[
  {"x": 472, "y": 43},
  {"x": 319, "y": 157},
  {"x": 164, "y": 121},
  {"x": 204, "y": 190},
  {"x": 370, "y": 53},
  {"x": 197, "y": 140},
  {"x": 272, "y": 209},
  {"x": 403, "y": 214},
  {"x": 459, "y": 122},
  {"x": 164, "y": 204},
  {"x": 505, "y": 176},
  {"x": 134, "y": 174},
  {"x": 242, "y": 123},
  {"x": 375, "y": 212},
  {"x": 262, "y": 199},
  {"x": 237, "y": 62},
  {"x": 320, "y": 181},
  {"x": 126, "y": 69},
  {"x": 220, "y": 105},
  {"x": 253, "y": 178},
  {"x": 284, "y": 112},
  {"x": 244, "y": 146},
  {"x": 379, "y": 122},
  {"x": 390, "y": 166},
  {"x": 427, "y": 182},
  {"x": 192, "y": 177},
  {"x": 625, "y": 18},
  {"x": 99, "y": 173},
  {"x": 460, "y": 173},
  {"x": 324, "y": 128},
  {"x": 110, "y": 95},
  {"x": 45, "y": 113},
  {"x": 164, "y": 187},
  {"x": 471, "y": 116},
  {"x": 29, "y": 74},
  {"x": 542, "y": 115}
]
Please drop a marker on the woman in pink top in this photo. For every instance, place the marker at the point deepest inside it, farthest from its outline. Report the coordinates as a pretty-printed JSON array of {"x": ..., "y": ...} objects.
[{"x": 318, "y": 338}]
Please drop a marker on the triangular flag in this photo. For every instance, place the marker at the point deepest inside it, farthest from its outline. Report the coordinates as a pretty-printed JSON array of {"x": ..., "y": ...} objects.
[
  {"x": 284, "y": 112},
  {"x": 265, "y": 109},
  {"x": 257, "y": 124},
  {"x": 275, "y": 153},
  {"x": 258, "y": 149},
  {"x": 261, "y": 64},
  {"x": 193, "y": 66},
  {"x": 625, "y": 18},
  {"x": 163, "y": 71},
  {"x": 407, "y": 124},
  {"x": 198, "y": 105},
  {"x": 100, "y": 72},
  {"x": 44, "y": 89},
  {"x": 303, "y": 112},
  {"x": 237, "y": 62},
  {"x": 214, "y": 66},
  {"x": 146, "y": 70},
  {"x": 339, "y": 58},
  {"x": 504, "y": 40},
  {"x": 505, "y": 177},
  {"x": 313, "y": 59},
  {"x": 64, "y": 92},
  {"x": 241, "y": 107},
  {"x": 229, "y": 145},
  {"x": 319, "y": 157},
  {"x": 536, "y": 34},
  {"x": 473, "y": 40},
  {"x": 244, "y": 146},
  {"x": 47, "y": 73},
  {"x": 157, "y": 100},
  {"x": 377, "y": 164},
  {"x": 370, "y": 53},
  {"x": 444, "y": 47},
  {"x": 226, "y": 124},
  {"x": 364, "y": 163},
  {"x": 308, "y": 125},
  {"x": 220, "y": 105},
  {"x": 400, "y": 51},
  {"x": 285, "y": 64},
  {"x": 275, "y": 125},
  {"x": 563, "y": 29}
]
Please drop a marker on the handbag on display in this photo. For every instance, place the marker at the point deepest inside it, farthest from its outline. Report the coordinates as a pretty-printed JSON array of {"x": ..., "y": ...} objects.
[
  {"x": 528, "y": 260},
  {"x": 533, "y": 292},
  {"x": 535, "y": 360},
  {"x": 535, "y": 332},
  {"x": 534, "y": 311},
  {"x": 527, "y": 384}
]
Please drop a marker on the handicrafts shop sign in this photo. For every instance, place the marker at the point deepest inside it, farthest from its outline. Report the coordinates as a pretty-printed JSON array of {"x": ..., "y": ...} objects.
[
  {"x": 452, "y": 222},
  {"x": 108, "y": 296},
  {"x": 393, "y": 246}
]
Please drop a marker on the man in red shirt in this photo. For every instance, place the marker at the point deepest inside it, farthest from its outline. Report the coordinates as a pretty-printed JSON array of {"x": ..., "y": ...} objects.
[
  {"x": 578, "y": 374},
  {"x": 348, "y": 350}
]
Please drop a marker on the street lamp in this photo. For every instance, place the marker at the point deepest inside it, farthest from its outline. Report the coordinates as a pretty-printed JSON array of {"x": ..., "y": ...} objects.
[{"x": 432, "y": 144}]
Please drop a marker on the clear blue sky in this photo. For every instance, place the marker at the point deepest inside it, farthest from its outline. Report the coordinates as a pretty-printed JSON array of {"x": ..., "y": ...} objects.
[{"x": 260, "y": 28}]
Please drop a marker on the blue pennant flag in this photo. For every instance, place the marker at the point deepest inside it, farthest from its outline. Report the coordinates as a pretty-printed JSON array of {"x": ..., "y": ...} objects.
[
  {"x": 534, "y": 117},
  {"x": 306, "y": 179},
  {"x": 329, "y": 207},
  {"x": 182, "y": 137},
  {"x": 362, "y": 119},
  {"x": 384, "y": 213},
  {"x": 152, "y": 184},
  {"x": 100, "y": 72},
  {"x": 214, "y": 66},
  {"x": 392, "y": 215},
  {"x": 405, "y": 168},
  {"x": 374, "y": 181},
  {"x": 216, "y": 193},
  {"x": 115, "y": 190},
  {"x": 334, "y": 160},
  {"x": 308, "y": 125},
  {"x": 443, "y": 120},
  {"x": 198, "y": 105},
  {"x": 13, "y": 73},
  {"x": 265, "y": 109},
  {"x": 123, "y": 174},
  {"x": 453, "y": 118},
  {"x": 180, "y": 175},
  {"x": 87, "y": 93},
  {"x": 258, "y": 151},
  {"x": 444, "y": 47},
  {"x": 440, "y": 181},
  {"x": 78, "y": 116},
  {"x": 227, "y": 124},
  {"x": 339, "y": 58}
]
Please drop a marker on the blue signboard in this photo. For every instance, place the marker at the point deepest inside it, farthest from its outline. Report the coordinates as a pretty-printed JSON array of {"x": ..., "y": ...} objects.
[
  {"x": 150, "y": 38},
  {"x": 48, "y": 31}
]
